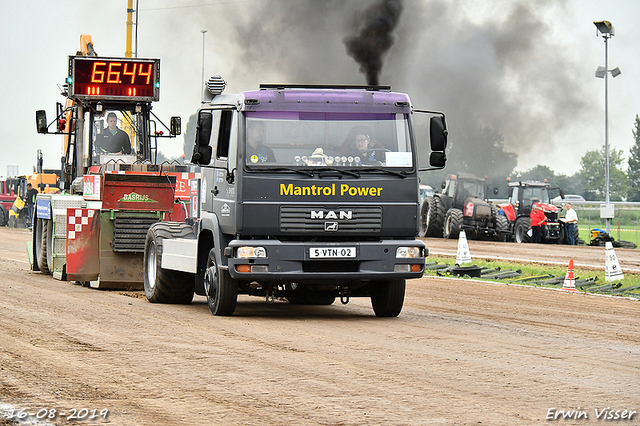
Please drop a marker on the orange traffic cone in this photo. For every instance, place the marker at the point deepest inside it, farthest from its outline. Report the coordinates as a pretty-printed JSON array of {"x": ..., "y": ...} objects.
[{"x": 569, "y": 279}]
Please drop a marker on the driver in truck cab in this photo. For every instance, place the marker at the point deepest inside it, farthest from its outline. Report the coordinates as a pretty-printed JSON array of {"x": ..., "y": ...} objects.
[
  {"x": 257, "y": 151},
  {"x": 113, "y": 140},
  {"x": 365, "y": 148}
]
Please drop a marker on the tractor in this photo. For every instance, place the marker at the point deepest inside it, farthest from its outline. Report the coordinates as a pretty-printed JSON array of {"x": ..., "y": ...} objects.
[{"x": 462, "y": 206}]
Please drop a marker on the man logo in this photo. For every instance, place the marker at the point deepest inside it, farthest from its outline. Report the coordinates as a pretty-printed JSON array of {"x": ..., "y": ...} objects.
[
  {"x": 340, "y": 214},
  {"x": 331, "y": 226}
]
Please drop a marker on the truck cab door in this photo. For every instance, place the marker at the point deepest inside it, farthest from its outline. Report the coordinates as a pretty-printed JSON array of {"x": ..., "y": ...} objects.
[{"x": 222, "y": 183}]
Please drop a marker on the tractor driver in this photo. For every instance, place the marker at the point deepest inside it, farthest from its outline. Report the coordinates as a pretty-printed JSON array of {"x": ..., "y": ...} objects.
[{"x": 113, "y": 140}]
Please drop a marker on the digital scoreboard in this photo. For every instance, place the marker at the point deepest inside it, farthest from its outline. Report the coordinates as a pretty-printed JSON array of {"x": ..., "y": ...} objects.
[{"x": 96, "y": 78}]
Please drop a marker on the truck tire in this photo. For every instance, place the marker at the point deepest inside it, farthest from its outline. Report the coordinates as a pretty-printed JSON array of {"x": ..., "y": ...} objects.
[
  {"x": 452, "y": 224},
  {"x": 502, "y": 228},
  {"x": 387, "y": 297},
  {"x": 521, "y": 228},
  {"x": 165, "y": 285},
  {"x": 435, "y": 218},
  {"x": 42, "y": 232},
  {"x": 221, "y": 290},
  {"x": 4, "y": 215}
]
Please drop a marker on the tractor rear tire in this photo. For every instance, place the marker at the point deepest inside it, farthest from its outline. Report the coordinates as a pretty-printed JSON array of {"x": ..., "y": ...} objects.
[
  {"x": 4, "y": 215},
  {"x": 49, "y": 244},
  {"x": 42, "y": 232},
  {"x": 165, "y": 285},
  {"x": 424, "y": 213},
  {"x": 435, "y": 218},
  {"x": 452, "y": 224},
  {"x": 221, "y": 290},
  {"x": 502, "y": 227},
  {"x": 523, "y": 224},
  {"x": 387, "y": 297}
]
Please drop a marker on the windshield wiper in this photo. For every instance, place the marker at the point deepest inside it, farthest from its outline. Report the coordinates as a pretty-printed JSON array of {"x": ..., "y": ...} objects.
[
  {"x": 401, "y": 174},
  {"x": 306, "y": 172},
  {"x": 342, "y": 171}
]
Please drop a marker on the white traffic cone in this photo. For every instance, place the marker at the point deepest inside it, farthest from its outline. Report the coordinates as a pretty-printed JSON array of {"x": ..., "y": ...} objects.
[
  {"x": 570, "y": 279},
  {"x": 613, "y": 272},
  {"x": 463, "y": 256}
]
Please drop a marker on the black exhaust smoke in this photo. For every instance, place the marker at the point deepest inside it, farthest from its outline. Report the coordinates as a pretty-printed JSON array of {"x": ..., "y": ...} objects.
[{"x": 374, "y": 37}]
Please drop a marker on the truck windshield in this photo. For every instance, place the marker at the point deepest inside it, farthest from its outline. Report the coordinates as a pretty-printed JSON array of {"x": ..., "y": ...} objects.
[{"x": 319, "y": 139}]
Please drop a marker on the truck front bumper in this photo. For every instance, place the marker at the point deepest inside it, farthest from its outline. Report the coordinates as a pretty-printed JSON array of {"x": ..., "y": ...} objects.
[{"x": 274, "y": 260}]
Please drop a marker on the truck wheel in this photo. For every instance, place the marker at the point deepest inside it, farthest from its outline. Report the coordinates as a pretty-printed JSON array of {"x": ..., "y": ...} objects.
[
  {"x": 435, "y": 218},
  {"x": 221, "y": 290},
  {"x": 165, "y": 285},
  {"x": 4, "y": 215},
  {"x": 452, "y": 224},
  {"x": 502, "y": 228},
  {"x": 42, "y": 231},
  {"x": 521, "y": 229},
  {"x": 387, "y": 297}
]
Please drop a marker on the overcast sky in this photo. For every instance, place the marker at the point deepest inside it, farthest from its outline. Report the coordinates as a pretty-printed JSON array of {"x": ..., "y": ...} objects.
[{"x": 523, "y": 68}]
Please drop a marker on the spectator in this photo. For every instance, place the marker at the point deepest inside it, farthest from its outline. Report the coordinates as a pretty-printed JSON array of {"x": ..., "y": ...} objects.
[
  {"x": 30, "y": 200},
  {"x": 571, "y": 218},
  {"x": 537, "y": 218}
]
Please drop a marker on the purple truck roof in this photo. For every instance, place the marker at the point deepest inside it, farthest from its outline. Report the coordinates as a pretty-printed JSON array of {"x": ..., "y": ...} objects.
[{"x": 330, "y": 100}]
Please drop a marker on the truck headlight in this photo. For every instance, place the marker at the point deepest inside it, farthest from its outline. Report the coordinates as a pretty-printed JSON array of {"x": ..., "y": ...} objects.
[
  {"x": 248, "y": 252},
  {"x": 407, "y": 252}
]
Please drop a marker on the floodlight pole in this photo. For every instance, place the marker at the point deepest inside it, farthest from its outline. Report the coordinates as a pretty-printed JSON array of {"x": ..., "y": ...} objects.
[
  {"x": 202, "y": 88},
  {"x": 606, "y": 124},
  {"x": 606, "y": 29}
]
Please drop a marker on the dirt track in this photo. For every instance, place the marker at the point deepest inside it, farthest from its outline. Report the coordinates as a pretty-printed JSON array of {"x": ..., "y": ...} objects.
[{"x": 461, "y": 352}]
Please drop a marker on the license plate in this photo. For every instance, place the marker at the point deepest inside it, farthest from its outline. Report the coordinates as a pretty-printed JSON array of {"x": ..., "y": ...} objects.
[{"x": 332, "y": 252}]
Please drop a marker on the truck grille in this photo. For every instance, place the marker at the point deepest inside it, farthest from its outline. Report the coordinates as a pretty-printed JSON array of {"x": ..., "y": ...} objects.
[
  {"x": 130, "y": 233},
  {"x": 328, "y": 220}
]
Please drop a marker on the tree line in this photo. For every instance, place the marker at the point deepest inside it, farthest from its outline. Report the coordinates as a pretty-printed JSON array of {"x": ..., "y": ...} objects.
[{"x": 495, "y": 165}]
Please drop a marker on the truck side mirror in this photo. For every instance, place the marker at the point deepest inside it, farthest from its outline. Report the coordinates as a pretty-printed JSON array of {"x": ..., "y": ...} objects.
[
  {"x": 562, "y": 193},
  {"x": 438, "y": 159},
  {"x": 41, "y": 121},
  {"x": 438, "y": 134},
  {"x": 176, "y": 126},
  {"x": 202, "y": 151}
]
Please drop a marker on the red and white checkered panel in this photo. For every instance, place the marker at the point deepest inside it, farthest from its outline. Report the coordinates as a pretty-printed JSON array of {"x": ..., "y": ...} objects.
[{"x": 78, "y": 220}]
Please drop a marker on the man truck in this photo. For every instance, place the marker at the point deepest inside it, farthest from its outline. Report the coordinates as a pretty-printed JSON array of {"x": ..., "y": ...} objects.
[{"x": 287, "y": 208}]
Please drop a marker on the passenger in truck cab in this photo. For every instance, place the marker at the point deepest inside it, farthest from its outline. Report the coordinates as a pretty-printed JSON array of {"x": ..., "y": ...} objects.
[
  {"x": 363, "y": 146},
  {"x": 113, "y": 140},
  {"x": 257, "y": 151}
]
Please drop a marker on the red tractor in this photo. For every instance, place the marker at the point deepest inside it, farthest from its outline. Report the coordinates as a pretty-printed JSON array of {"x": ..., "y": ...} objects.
[{"x": 522, "y": 195}]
